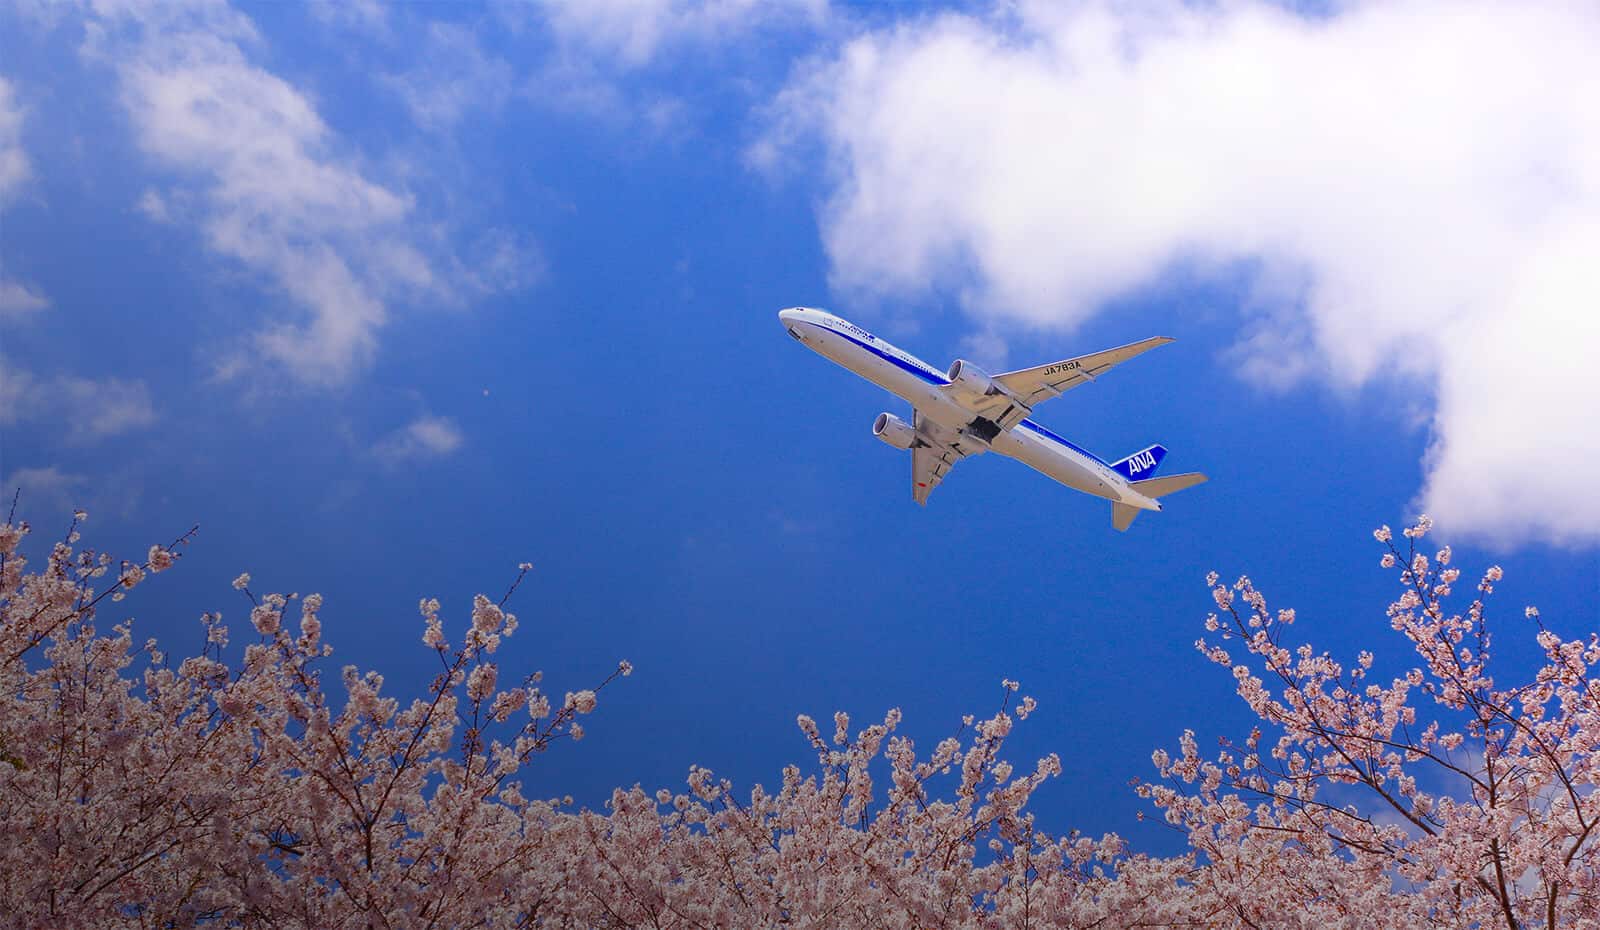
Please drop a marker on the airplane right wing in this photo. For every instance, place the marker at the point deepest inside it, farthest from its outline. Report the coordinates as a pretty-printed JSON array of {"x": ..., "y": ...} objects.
[
  {"x": 936, "y": 452},
  {"x": 1042, "y": 382}
]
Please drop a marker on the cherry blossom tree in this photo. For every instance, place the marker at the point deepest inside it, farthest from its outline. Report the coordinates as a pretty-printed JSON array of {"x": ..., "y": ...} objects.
[
  {"x": 1439, "y": 800},
  {"x": 264, "y": 791},
  {"x": 1444, "y": 797},
  {"x": 135, "y": 790}
]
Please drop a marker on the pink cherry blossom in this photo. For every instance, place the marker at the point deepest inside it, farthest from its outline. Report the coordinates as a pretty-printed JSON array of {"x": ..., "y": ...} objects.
[{"x": 268, "y": 789}]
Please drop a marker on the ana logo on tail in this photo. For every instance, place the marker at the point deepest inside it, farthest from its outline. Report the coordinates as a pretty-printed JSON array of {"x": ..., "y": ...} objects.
[{"x": 1141, "y": 464}]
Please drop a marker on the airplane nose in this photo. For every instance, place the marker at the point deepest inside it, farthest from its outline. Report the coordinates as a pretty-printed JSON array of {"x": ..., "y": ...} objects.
[{"x": 793, "y": 322}]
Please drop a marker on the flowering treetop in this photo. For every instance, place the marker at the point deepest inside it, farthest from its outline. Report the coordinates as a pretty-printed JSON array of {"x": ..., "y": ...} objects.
[{"x": 138, "y": 790}]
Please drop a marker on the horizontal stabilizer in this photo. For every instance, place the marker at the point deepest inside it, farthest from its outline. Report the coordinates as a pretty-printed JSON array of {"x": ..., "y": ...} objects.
[
  {"x": 1142, "y": 463},
  {"x": 1122, "y": 516},
  {"x": 1172, "y": 484}
]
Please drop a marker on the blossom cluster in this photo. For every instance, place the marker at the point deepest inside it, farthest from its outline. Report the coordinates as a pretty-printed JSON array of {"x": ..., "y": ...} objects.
[
  {"x": 262, "y": 791},
  {"x": 139, "y": 790},
  {"x": 1443, "y": 797}
]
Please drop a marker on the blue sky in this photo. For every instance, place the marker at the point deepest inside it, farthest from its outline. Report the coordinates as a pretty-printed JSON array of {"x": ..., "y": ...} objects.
[{"x": 389, "y": 299}]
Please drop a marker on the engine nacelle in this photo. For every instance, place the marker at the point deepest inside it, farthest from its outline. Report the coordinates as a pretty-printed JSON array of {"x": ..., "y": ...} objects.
[
  {"x": 894, "y": 431},
  {"x": 971, "y": 380}
]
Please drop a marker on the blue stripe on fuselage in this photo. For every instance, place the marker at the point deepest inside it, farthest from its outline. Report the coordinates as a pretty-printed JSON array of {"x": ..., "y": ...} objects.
[
  {"x": 1030, "y": 425},
  {"x": 936, "y": 379},
  {"x": 924, "y": 374}
]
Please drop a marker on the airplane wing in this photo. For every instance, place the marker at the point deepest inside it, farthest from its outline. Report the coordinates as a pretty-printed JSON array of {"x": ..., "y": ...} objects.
[
  {"x": 936, "y": 451},
  {"x": 998, "y": 407},
  {"x": 1032, "y": 385}
]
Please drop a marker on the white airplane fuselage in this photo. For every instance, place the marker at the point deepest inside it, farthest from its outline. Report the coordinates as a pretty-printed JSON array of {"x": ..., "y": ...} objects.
[{"x": 919, "y": 383}]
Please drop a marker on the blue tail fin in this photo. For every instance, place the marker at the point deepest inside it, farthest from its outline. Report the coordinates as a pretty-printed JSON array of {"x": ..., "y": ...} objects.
[{"x": 1141, "y": 464}]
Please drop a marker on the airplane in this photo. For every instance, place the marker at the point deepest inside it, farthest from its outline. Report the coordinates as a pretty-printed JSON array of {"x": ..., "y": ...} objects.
[{"x": 966, "y": 411}]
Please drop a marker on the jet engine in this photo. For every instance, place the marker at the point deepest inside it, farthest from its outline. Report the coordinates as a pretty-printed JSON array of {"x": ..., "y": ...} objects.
[
  {"x": 894, "y": 431},
  {"x": 971, "y": 380}
]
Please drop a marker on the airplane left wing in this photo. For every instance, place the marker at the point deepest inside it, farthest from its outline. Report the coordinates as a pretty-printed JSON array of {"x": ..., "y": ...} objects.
[
  {"x": 1042, "y": 382},
  {"x": 936, "y": 452}
]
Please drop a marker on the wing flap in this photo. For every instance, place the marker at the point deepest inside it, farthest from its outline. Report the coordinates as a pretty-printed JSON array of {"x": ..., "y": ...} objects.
[
  {"x": 928, "y": 468},
  {"x": 936, "y": 452}
]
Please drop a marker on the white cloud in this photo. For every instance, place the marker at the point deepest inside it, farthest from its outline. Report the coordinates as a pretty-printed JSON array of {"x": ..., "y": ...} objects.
[
  {"x": 109, "y": 407},
  {"x": 42, "y": 489},
  {"x": 632, "y": 32},
  {"x": 453, "y": 75},
  {"x": 18, "y": 300},
  {"x": 605, "y": 54},
  {"x": 578, "y": 86},
  {"x": 16, "y": 392},
  {"x": 14, "y": 167},
  {"x": 423, "y": 438},
  {"x": 271, "y": 186},
  {"x": 278, "y": 199},
  {"x": 1418, "y": 180},
  {"x": 80, "y": 409},
  {"x": 369, "y": 16},
  {"x": 154, "y": 206},
  {"x": 987, "y": 347}
]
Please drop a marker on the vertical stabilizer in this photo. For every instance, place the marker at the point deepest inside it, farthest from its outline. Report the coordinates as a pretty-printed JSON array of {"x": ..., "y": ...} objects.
[{"x": 1141, "y": 464}]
